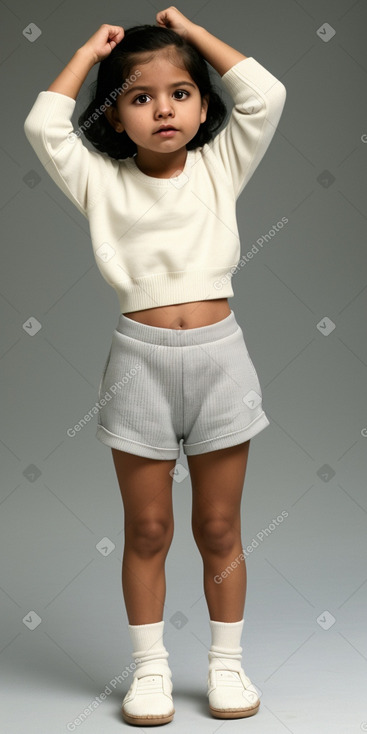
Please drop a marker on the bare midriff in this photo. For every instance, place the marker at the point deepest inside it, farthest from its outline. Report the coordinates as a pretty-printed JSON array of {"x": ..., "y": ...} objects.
[{"x": 190, "y": 315}]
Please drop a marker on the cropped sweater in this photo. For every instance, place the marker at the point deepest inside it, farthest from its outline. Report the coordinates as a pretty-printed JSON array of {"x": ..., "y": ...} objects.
[{"x": 161, "y": 241}]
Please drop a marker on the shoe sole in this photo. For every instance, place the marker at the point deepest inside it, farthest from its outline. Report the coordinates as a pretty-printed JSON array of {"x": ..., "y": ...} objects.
[
  {"x": 234, "y": 713},
  {"x": 147, "y": 720}
]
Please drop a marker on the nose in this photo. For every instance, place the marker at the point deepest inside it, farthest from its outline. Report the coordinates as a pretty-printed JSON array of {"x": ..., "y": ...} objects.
[{"x": 164, "y": 107}]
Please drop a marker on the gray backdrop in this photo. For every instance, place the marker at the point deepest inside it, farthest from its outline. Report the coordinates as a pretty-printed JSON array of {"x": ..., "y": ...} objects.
[{"x": 301, "y": 302}]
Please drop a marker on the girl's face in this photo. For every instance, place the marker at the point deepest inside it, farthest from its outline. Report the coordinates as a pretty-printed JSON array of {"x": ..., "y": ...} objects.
[{"x": 164, "y": 94}]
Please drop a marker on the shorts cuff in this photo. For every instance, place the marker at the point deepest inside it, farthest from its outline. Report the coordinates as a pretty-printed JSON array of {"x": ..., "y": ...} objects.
[
  {"x": 228, "y": 439},
  {"x": 133, "y": 447}
]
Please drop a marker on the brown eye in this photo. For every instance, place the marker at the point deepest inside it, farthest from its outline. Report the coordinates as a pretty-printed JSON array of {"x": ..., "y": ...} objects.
[
  {"x": 182, "y": 91},
  {"x": 177, "y": 91},
  {"x": 139, "y": 97}
]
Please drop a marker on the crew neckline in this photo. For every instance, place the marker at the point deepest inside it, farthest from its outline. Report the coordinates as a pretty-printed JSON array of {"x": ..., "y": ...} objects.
[{"x": 153, "y": 180}]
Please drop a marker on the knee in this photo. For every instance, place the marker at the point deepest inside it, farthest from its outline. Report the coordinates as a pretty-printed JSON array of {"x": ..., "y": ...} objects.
[
  {"x": 147, "y": 537},
  {"x": 215, "y": 535}
]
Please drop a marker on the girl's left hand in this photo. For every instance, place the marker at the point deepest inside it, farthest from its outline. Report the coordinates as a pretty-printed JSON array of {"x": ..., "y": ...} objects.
[{"x": 176, "y": 21}]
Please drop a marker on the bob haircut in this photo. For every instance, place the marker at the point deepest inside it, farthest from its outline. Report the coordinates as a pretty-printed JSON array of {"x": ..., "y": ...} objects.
[{"x": 115, "y": 70}]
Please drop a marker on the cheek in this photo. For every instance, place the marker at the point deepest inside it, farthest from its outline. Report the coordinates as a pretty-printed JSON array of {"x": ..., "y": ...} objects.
[{"x": 133, "y": 118}]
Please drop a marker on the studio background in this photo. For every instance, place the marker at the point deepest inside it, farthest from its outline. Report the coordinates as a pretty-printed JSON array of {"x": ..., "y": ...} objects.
[{"x": 301, "y": 301}]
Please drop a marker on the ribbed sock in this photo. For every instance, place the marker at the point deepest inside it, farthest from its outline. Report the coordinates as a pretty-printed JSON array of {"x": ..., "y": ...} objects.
[
  {"x": 225, "y": 652},
  {"x": 149, "y": 652}
]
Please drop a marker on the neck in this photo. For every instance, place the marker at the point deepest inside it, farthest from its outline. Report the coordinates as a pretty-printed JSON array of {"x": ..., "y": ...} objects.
[{"x": 161, "y": 165}]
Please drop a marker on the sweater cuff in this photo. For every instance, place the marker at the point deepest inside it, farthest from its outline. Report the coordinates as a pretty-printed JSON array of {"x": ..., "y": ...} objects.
[{"x": 48, "y": 101}]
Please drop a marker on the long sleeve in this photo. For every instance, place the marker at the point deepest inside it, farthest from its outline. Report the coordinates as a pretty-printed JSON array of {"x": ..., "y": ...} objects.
[
  {"x": 259, "y": 98},
  {"x": 161, "y": 241},
  {"x": 80, "y": 173}
]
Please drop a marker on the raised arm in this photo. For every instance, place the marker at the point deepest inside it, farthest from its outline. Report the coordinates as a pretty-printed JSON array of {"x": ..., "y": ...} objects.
[
  {"x": 79, "y": 172},
  {"x": 72, "y": 77},
  {"x": 258, "y": 98},
  {"x": 217, "y": 53},
  {"x": 97, "y": 48}
]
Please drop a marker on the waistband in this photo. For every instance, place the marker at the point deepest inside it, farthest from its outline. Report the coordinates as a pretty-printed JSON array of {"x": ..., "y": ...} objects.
[{"x": 177, "y": 337}]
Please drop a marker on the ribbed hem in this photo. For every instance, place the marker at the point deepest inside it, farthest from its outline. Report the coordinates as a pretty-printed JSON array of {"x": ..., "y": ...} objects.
[
  {"x": 181, "y": 286},
  {"x": 226, "y": 636},
  {"x": 146, "y": 636}
]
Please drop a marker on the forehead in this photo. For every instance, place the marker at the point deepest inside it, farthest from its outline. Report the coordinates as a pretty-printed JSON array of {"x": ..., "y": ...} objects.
[{"x": 165, "y": 62}]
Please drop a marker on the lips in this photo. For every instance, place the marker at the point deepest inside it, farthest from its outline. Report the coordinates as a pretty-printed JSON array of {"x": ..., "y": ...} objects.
[{"x": 163, "y": 129}]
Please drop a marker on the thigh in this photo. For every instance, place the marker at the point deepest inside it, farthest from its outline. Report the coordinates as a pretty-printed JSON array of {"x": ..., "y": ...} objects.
[
  {"x": 145, "y": 486},
  {"x": 217, "y": 479}
]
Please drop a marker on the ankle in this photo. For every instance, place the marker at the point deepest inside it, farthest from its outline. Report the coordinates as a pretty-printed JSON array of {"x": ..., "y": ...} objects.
[
  {"x": 149, "y": 653},
  {"x": 225, "y": 652}
]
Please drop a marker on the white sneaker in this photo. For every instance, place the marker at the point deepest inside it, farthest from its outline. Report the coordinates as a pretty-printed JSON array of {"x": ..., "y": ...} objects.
[
  {"x": 231, "y": 694},
  {"x": 149, "y": 700}
]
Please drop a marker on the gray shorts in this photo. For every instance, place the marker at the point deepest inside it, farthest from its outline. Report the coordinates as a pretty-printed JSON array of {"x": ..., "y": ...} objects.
[{"x": 160, "y": 386}]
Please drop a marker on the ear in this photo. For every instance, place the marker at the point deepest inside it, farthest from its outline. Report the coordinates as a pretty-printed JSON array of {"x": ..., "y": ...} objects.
[
  {"x": 113, "y": 118},
  {"x": 204, "y": 108}
]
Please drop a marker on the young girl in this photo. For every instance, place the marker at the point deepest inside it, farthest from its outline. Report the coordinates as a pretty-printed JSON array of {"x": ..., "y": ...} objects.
[{"x": 160, "y": 196}]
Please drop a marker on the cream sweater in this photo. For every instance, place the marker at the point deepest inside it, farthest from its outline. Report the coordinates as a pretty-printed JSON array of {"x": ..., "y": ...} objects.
[{"x": 163, "y": 241}]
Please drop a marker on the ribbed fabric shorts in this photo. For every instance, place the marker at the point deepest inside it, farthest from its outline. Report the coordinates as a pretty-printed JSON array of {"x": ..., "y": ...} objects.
[{"x": 160, "y": 386}]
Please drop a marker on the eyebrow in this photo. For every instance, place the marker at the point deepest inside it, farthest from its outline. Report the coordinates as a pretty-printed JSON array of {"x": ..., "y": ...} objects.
[{"x": 149, "y": 89}]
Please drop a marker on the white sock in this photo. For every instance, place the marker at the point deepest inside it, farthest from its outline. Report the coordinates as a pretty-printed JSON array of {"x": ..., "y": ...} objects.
[
  {"x": 225, "y": 651},
  {"x": 149, "y": 653}
]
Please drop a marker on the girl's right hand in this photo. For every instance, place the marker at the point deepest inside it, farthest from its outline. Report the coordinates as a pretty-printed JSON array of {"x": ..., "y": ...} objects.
[{"x": 104, "y": 41}]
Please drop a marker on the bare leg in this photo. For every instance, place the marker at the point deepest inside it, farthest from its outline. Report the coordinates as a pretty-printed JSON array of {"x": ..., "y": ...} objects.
[
  {"x": 217, "y": 482},
  {"x": 146, "y": 491}
]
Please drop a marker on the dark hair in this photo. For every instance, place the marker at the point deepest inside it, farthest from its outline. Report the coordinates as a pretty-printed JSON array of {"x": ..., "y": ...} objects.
[{"x": 116, "y": 68}]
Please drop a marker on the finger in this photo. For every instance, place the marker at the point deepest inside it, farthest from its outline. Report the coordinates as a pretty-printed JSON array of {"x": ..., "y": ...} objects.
[
  {"x": 116, "y": 36},
  {"x": 115, "y": 28}
]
